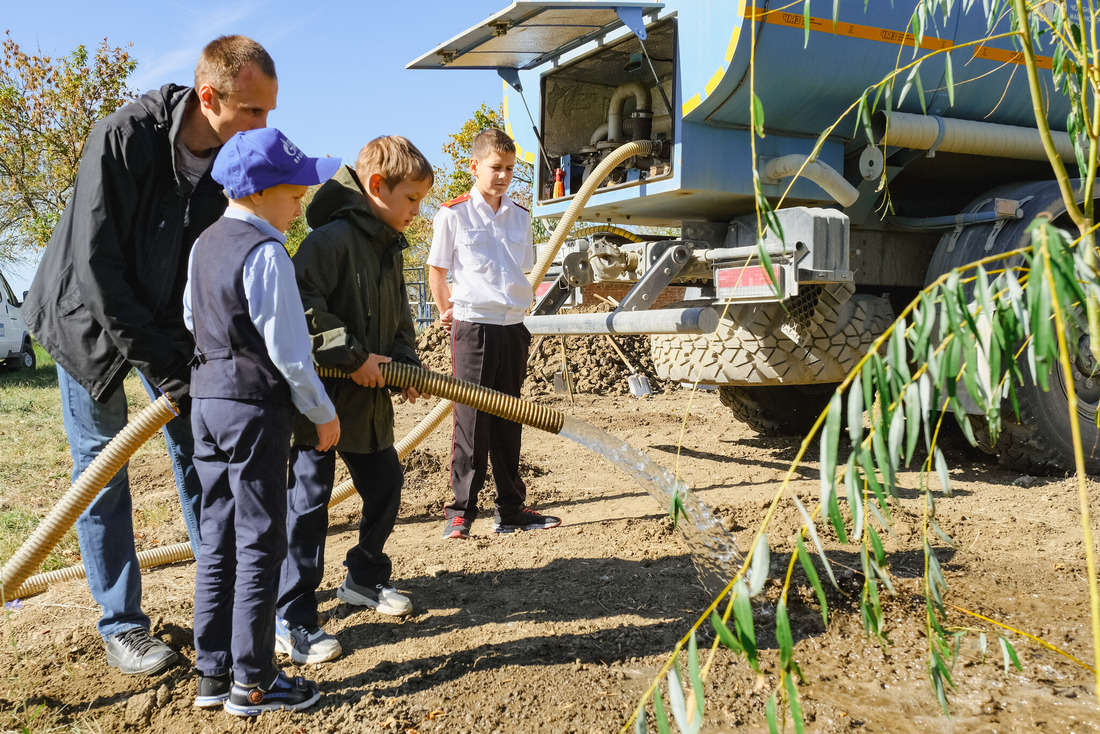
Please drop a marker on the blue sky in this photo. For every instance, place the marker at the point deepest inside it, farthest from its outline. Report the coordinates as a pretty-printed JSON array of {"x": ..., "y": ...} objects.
[{"x": 341, "y": 65}]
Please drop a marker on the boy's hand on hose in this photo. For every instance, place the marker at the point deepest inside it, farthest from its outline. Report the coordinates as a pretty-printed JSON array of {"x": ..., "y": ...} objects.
[
  {"x": 369, "y": 374},
  {"x": 328, "y": 434},
  {"x": 410, "y": 394}
]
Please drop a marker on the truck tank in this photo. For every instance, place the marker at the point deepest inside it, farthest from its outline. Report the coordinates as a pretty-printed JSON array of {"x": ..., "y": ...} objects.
[{"x": 591, "y": 76}]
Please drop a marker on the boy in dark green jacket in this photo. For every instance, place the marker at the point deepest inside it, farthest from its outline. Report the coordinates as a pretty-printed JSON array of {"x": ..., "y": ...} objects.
[{"x": 350, "y": 274}]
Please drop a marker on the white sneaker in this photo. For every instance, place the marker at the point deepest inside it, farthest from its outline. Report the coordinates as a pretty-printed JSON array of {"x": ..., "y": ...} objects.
[
  {"x": 385, "y": 599},
  {"x": 305, "y": 645}
]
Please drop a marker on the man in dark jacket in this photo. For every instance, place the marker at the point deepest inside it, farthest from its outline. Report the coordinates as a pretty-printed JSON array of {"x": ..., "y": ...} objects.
[{"x": 108, "y": 296}]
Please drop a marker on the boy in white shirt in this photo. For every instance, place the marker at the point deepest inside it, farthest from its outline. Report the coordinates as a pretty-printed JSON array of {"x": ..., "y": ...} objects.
[{"x": 484, "y": 239}]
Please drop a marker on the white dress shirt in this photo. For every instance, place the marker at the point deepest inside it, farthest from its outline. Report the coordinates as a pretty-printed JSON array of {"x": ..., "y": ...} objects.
[{"x": 487, "y": 253}]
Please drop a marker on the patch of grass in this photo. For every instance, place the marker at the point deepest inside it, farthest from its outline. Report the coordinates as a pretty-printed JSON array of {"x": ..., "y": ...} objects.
[
  {"x": 33, "y": 718},
  {"x": 16, "y": 525},
  {"x": 35, "y": 464}
]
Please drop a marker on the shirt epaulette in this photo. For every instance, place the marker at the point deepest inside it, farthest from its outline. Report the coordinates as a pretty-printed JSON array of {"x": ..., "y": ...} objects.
[
  {"x": 521, "y": 206},
  {"x": 456, "y": 200}
]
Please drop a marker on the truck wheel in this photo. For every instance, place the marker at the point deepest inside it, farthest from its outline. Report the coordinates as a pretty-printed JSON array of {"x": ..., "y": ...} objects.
[
  {"x": 27, "y": 358},
  {"x": 1041, "y": 444},
  {"x": 818, "y": 338},
  {"x": 777, "y": 410}
]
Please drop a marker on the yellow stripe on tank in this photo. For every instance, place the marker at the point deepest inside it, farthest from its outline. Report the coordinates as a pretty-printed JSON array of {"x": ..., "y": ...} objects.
[{"x": 718, "y": 76}]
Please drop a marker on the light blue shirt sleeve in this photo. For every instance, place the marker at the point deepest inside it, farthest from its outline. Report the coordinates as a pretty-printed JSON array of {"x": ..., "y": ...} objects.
[
  {"x": 275, "y": 307},
  {"x": 188, "y": 319}
]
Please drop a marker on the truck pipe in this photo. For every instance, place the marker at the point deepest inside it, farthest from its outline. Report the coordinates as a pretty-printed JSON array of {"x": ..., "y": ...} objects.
[
  {"x": 934, "y": 133},
  {"x": 622, "y": 93},
  {"x": 663, "y": 321},
  {"x": 822, "y": 174},
  {"x": 958, "y": 220},
  {"x": 49, "y": 533}
]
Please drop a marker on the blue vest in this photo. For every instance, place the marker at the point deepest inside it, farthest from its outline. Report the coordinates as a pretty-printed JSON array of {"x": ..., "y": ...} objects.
[{"x": 231, "y": 359}]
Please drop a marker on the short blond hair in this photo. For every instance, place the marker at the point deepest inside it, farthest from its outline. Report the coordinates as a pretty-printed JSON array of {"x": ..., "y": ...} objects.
[
  {"x": 491, "y": 140},
  {"x": 223, "y": 58},
  {"x": 395, "y": 159}
]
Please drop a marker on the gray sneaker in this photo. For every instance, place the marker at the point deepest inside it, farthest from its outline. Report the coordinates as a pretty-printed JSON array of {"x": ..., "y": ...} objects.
[
  {"x": 305, "y": 645},
  {"x": 385, "y": 599},
  {"x": 136, "y": 652}
]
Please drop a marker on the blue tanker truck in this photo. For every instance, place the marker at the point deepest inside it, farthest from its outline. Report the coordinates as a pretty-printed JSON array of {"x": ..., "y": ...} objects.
[{"x": 962, "y": 178}]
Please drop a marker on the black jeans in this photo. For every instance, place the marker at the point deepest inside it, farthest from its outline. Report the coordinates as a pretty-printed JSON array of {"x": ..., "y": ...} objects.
[
  {"x": 378, "y": 479},
  {"x": 495, "y": 357}
]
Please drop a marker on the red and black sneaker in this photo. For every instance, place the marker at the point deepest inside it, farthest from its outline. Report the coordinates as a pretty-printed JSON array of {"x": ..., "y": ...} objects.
[
  {"x": 525, "y": 519},
  {"x": 457, "y": 527}
]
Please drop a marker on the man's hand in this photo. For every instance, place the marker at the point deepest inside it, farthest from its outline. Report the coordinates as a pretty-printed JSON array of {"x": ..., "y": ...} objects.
[
  {"x": 328, "y": 434},
  {"x": 369, "y": 374},
  {"x": 179, "y": 392},
  {"x": 446, "y": 319}
]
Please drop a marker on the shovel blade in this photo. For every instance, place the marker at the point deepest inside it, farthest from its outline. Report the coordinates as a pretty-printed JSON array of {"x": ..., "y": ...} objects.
[{"x": 639, "y": 386}]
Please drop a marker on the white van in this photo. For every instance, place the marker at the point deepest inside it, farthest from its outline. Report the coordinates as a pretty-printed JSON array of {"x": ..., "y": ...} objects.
[{"x": 15, "y": 341}]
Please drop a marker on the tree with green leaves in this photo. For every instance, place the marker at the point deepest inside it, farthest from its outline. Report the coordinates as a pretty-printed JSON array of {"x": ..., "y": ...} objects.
[
  {"x": 48, "y": 107},
  {"x": 983, "y": 332}
]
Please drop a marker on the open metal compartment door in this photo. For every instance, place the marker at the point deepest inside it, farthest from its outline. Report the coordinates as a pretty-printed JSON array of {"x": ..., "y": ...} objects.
[{"x": 525, "y": 34}]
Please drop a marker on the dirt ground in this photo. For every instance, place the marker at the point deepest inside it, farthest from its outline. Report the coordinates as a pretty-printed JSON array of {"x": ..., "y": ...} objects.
[{"x": 563, "y": 630}]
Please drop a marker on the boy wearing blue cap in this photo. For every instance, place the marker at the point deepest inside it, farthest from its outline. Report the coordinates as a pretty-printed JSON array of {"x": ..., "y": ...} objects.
[{"x": 252, "y": 368}]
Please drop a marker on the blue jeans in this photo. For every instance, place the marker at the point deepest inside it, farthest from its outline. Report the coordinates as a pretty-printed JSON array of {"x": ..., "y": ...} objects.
[{"x": 106, "y": 528}]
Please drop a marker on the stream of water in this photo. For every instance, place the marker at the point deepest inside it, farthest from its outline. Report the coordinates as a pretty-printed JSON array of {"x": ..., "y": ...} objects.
[{"x": 713, "y": 549}]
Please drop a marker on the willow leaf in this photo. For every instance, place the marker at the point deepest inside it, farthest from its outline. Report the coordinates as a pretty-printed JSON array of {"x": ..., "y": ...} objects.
[
  {"x": 855, "y": 498},
  {"x": 868, "y": 466},
  {"x": 811, "y": 574},
  {"x": 941, "y": 470},
  {"x": 836, "y": 518},
  {"x": 812, "y": 531},
  {"x": 949, "y": 80},
  {"x": 695, "y": 713},
  {"x": 793, "y": 703},
  {"x": 855, "y": 415},
  {"x": 659, "y": 713},
  {"x": 761, "y": 561},
  {"x": 830, "y": 440},
  {"x": 783, "y": 636},
  {"x": 912, "y": 419},
  {"x": 1009, "y": 653},
  {"x": 724, "y": 635},
  {"x": 743, "y": 623},
  {"x": 886, "y": 462},
  {"x": 676, "y": 700}
]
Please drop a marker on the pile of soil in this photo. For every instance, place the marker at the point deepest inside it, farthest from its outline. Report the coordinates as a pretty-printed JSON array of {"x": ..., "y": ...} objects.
[{"x": 594, "y": 366}]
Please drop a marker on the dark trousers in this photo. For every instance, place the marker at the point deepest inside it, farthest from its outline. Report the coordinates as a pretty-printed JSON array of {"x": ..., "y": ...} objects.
[
  {"x": 378, "y": 478},
  {"x": 241, "y": 450},
  {"x": 495, "y": 357}
]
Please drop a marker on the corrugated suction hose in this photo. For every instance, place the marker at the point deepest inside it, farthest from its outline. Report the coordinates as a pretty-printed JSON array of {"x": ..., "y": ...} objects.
[
  {"x": 468, "y": 393},
  {"x": 50, "y": 531},
  {"x": 89, "y": 484}
]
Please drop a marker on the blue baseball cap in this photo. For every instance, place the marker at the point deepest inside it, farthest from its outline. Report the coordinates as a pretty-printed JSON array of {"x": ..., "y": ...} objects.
[{"x": 255, "y": 160}]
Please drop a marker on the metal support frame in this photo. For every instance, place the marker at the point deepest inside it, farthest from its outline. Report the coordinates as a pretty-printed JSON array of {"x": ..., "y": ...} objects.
[
  {"x": 554, "y": 298},
  {"x": 668, "y": 259}
]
